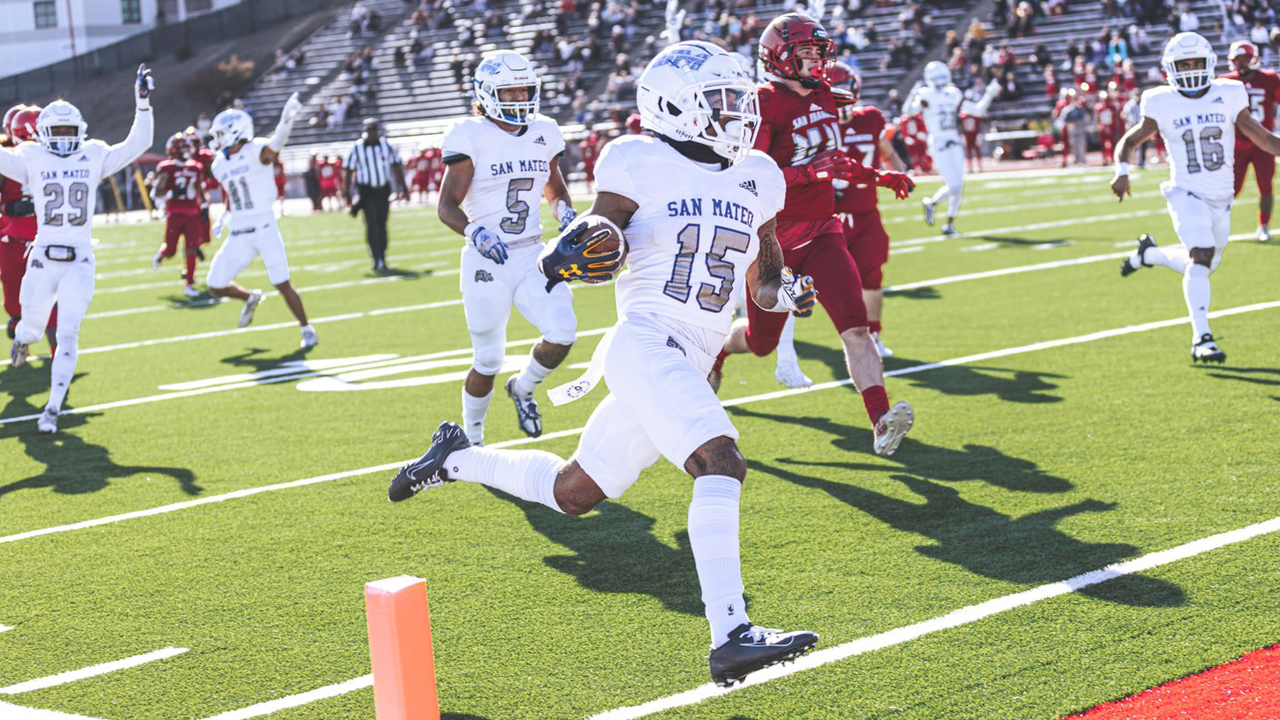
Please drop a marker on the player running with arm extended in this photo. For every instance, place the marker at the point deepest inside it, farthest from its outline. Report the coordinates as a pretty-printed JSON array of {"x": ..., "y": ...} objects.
[
  {"x": 799, "y": 130},
  {"x": 1198, "y": 117},
  {"x": 63, "y": 171},
  {"x": 499, "y": 162},
  {"x": 243, "y": 167},
  {"x": 941, "y": 104},
  {"x": 180, "y": 183},
  {"x": 697, "y": 205},
  {"x": 1263, "y": 87}
]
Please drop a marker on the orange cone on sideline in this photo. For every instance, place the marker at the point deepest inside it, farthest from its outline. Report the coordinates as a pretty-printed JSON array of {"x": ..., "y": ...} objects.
[{"x": 404, "y": 667}]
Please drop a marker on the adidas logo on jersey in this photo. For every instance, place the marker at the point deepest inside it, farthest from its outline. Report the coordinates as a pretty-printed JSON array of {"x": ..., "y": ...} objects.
[
  {"x": 483, "y": 276},
  {"x": 814, "y": 106},
  {"x": 749, "y": 186},
  {"x": 539, "y": 141},
  {"x": 1216, "y": 100},
  {"x": 36, "y": 263},
  {"x": 85, "y": 158}
]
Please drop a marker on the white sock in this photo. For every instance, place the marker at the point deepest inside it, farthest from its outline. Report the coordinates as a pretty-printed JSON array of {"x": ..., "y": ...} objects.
[
  {"x": 713, "y": 535},
  {"x": 954, "y": 209},
  {"x": 1195, "y": 288},
  {"x": 307, "y": 327},
  {"x": 787, "y": 342},
  {"x": 473, "y": 411},
  {"x": 1174, "y": 257},
  {"x": 941, "y": 193},
  {"x": 528, "y": 379},
  {"x": 526, "y": 474},
  {"x": 64, "y": 368}
]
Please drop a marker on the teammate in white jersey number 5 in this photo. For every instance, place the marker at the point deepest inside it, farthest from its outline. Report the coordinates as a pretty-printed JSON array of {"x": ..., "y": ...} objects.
[
  {"x": 697, "y": 205},
  {"x": 1198, "y": 117},
  {"x": 497, "y": 164},
  {"x": 63, "y": 171},
  {"x": 244, "y": 166}
]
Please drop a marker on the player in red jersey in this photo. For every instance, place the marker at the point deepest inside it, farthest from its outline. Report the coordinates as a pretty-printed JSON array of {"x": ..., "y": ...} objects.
[
  {"x": 281, "y": 178},
  {"x": 330, "y": 180},
  {"x": 180, "y": 182},
  {"x": 1110, "y": 125},
  {"x": 862, "y": 133},
  {"x": 420, "y": 173},
  {"x": 971, "y": 128},
  {"x": 204, "y": 156},
  {"x": 1066, "y": 98},
  {"x": 800, "y": 132},
  {"x": 18, "y": 225},
  {"x": 590, "y": 149},
  {"x": 1264, "y": 91},
  {"x": 916, "y": 139}
]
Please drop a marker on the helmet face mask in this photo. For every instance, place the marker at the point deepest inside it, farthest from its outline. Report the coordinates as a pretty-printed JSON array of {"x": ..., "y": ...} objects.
[
  {"x": 178, "y": 147},
  {"x": 796, "y": 47},
  {"x": 1189, "y": 61},
  {"x": 60, "y": 128},
  {"x": 231, "y": 127},
  {"x": 696, "y": 92},
  {"x": 937, "y": 75},
  {"x": 499, "y": 73}
]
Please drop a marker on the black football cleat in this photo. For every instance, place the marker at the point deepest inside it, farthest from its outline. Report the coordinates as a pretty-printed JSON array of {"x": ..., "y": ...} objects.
[
  {"x": 428, "y": 470},
  {"x": 1144, "y": 241},
  {"x": 12, "y": 328},
  {"x": 1207, "y": 351},
  {"x": 751, "y": 648}
]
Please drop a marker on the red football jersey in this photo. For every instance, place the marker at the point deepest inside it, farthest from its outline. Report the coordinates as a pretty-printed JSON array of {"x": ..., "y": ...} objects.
[
  {"x": 795, "y": 128},
  {"x": 205, "y": 156},
  {"x": 1264, "y": 92},
  {"x": 861, "y": 139},
  {"x": 1108, "y": 118},
  {"x": 970, "y": 124},
  {"x": 19, "y": 228},
  {"x": 185, "y": 192}
]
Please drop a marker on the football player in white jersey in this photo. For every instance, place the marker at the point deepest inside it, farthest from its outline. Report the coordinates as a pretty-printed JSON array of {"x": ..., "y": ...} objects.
[
  {"x": 1198, "y": 117},
  {"x": 697, "y": 205},
  {"x": 244, "y": 166},
  {"x": 941, "y": 102},
  {"x": 62, "y": 170},
  {"x": 498, "y": 163}
]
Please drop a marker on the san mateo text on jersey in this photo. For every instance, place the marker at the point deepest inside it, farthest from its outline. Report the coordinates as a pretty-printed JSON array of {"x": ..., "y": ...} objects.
[
  {"x": 77, "y": 174},
  {"x": 692, "y": 207},
  {"x": 1199, "y": 119},
  {"x": 525, "y": 166}
]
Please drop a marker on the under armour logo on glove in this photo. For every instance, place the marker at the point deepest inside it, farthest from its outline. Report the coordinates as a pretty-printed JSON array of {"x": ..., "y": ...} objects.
[{"x": 797, "y": 293}]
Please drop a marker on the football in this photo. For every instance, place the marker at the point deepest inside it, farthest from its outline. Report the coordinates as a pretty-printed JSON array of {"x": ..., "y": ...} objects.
[{"x": 602, "y": 238}]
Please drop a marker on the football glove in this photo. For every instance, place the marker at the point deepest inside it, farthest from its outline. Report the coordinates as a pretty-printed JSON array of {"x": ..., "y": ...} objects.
[
  {"x": 797, "y": 293},
  {"x": 144, "y": 85},
  {"x": 576, "y": 255},
  {"x": 829, "y": 165},
  {"x": 566, "y": 213},
  {"x": 218, "y": 226},
  {"x": 487, "y": 243},
  {"x": 292, "y": 107},
  {"x": 899, "y": 183}
]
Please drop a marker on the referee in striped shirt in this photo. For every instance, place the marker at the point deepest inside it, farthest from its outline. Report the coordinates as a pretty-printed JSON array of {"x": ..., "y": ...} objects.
[{"x": 373, "y": 163}]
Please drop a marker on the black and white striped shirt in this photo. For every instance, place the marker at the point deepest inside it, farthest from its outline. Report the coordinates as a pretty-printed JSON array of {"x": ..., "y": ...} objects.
[{"x": 372, "y": 163}]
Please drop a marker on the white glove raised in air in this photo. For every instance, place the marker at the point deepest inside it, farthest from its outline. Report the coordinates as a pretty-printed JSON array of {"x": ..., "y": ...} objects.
[
  {"x": 489, "y": 244},
  {"x": 143, "y": 87},
  {"x": 292, "y": 107}
]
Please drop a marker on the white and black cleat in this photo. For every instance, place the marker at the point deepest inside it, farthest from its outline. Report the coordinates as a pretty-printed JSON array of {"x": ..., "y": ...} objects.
[
  {"x": 1263, "y": 234},
  {"x": 789, "y": 374},
  {"x": 48, "y": 421},
  {"x": 949, "y": 229},
  {"x": 751, "y": 648},
  {"x": 881, "y": 350},
  {"x": 892, "y": 427},
  {"x": 1207, "y": 351},
  {"x": 1126, "y": 266},
  {"x": 928, "y": 212},
  {"x": 428, "y": 470},
  {"x": 309, "y": 337},
  {"x": 18, "y": 353},
  {"x": 250, "y": 305},
  {"x": 527, "y": 413}
]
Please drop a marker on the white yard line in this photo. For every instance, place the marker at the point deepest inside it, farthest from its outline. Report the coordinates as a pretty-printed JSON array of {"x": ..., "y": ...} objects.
[
  {"x": 954, "y": 619},
  {"x": 5, "y": 628},
  {"x": 17, "y": 712},
  {"x": 266, "y": 708},
  {"x": 91, "y": 671},
  {"x": 246, "y": 492}
]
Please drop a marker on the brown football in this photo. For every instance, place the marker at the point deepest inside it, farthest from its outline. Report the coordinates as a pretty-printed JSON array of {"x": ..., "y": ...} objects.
[{"x": 602, "y": 238}]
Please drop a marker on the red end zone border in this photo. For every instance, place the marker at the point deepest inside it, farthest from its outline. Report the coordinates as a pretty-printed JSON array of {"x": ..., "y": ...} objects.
[{"x": 1243, "y": 689}]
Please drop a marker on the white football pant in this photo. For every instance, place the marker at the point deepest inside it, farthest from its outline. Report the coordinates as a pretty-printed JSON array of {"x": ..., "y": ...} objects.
[{"x": 69, "y": 285}]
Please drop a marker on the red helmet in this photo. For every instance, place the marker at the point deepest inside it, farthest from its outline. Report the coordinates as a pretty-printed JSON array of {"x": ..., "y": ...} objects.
[
  {"x": 1243, "y": 56},
  {"x": 22, "y": 125},
  {"x": 8, "y": 116},
  {"x": 179, "y": 146},
  {"x": 781, "y": 42},
  {"x": 845, "y": 82},
  {"x": 193, "y": 137}
]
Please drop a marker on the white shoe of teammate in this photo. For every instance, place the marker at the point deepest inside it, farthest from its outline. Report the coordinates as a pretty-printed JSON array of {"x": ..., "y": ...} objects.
[
  {"x": 250, "y": 305},
  {"x": 191, "y": 292},
  {"x": 881, "y": 350},
  {"x": 1264, "y": 233},
  {"x": 18, "y": 353},
  {"x": 790, "y": 374},
  {"x": 928, "y": 212},
  {"x": 892, "y": 427},
  {"x": 48, "y": 422},
  {"x": 309, "y": 338}
]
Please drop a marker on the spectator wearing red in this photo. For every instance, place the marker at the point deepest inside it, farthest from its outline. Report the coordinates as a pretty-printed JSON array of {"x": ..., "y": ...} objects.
[
  {"x": 1110, "y": 125},
  {"x": 590, "y": 149}
]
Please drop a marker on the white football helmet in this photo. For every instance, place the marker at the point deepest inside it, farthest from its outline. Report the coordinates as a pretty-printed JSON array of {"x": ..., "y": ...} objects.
[
  {"x": 695, "y": 91},
  {"x": 937, "y": 75},
  {"x": 501, "y": 69},
  {"x": 230, "y": 127},
  {"x": 61, "y": 114},
  {"x": 1188, "y": 46}
]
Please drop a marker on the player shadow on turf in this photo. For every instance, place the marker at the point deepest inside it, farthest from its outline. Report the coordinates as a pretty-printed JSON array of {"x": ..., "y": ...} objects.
[
  {"x": 1027, "y": 550},
  {"x": 920, "y": 293},
  {"x": 72, "y": 466},
  {"x": 1020, "y": 386},
  {"x": 973, "y": 462},
  {"x": 460, "y": 716},
  {"x": 615, "y": 551},
  {"x": 182, "y": 302},
  {"x": 1020, "y": 241},
  {"x": 397, "y": 272},
  {"x": 1269, "y": 377},
  {"x": 256, "y": 361}
]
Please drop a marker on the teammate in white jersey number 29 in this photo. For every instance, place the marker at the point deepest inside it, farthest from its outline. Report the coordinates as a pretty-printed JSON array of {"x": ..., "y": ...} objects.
[
  {"x": 244, "y": 166},
  {"x": 941, "y": 102},
  {"x": 497, "y": 165},
  {"x": 63, "y": 170},
  {"x": 1198, "y": 117},
  {"x": 697, "y": 205}
]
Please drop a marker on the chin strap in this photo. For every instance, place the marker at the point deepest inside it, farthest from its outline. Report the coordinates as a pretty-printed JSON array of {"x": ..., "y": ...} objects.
[{"x": 696, "y": 152}]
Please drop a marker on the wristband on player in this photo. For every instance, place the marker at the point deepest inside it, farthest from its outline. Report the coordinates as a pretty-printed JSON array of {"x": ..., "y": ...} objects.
[{"x": 1122, "y": 168}]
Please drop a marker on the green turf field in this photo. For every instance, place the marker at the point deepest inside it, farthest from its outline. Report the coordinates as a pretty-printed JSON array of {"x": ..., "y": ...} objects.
[{"x": 1026, "y": 467}]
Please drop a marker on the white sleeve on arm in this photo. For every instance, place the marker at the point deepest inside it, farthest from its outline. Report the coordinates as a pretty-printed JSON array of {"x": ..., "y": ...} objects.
[
  {"x": 13, "y": 166},
  {"x": 456, "y": 143},
  {"x": 139, "y": 140},
  {"x": 613, "y": 174},
  {"x": 555, "y": 140}
]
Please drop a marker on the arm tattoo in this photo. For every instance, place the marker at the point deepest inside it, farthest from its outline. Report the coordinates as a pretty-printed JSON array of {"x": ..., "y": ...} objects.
[{"x": 769, "y": 264}]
